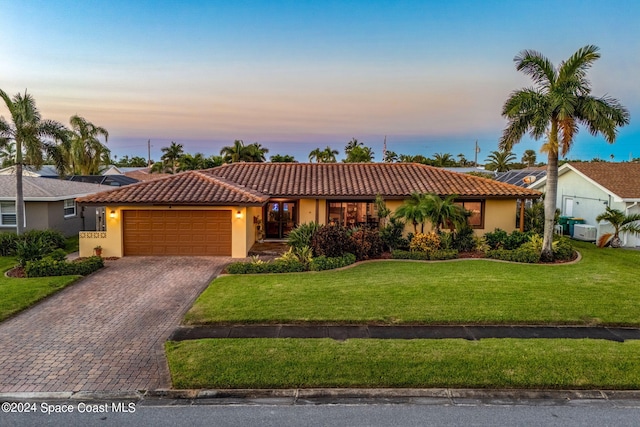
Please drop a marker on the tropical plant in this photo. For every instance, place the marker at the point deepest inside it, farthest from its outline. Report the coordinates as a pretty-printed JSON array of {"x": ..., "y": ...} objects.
[
  {"x": 328, "y": 155},
  {"x": 425, "y": 242},
  {"x": 529, "y": 158},
  {"x": 621, "y": 223},
  {"x": 31, "y": 135},
  {"x": 560, "y": 101},
  {"x": 331, "y": 241},
  {"x": 462, "y": 161},
  {"x": 443, "y": 160},
  {"x": 282, "y": 158},
  {"x": 413, "y": 210},
  {"x": 500, "y": 161},
  {"x": 382, "y": 210},
  {"x": 444, "y": 213},
  {"x": 256, "y": 152},
  {"x": 84, "y": 150},
  {"x": 359, "y": 154},
  {"x": 392, "y": 234},
  {"x": 238, "y": 152},
  {"x": 8, "y": 154},
  {"x": 351, "y": 145},
  {"x": 390, "y": 157},
  {"x": 301, "y": 235},
  {"x": 135, "y": 161}
]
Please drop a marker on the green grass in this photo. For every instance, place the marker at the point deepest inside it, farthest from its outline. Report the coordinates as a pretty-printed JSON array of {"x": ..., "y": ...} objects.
[
  {"x": 602, "y": 289},
  {"x": 18, "y": 294},
  {"x": 490, "y": 363}
]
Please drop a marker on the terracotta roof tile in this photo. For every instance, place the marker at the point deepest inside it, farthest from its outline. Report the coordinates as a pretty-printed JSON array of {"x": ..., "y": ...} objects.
[
  {"x": 622, "y": 179},
  {"x": 187, "y": 188},
  {"x": 361, "y": 180}
]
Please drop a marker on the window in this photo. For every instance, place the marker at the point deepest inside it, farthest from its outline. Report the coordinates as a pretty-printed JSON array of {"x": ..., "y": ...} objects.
[
  {"x": 353, "y": 214},
  {"x": 7, "y": 213},
  {"x": 476, "y": 220},
  {"x": 69, "y": 207}
]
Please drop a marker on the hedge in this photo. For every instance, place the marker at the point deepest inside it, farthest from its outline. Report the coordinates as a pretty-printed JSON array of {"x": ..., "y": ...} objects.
[
  {"x": 52, "y": 267},
  {"x": 431, "y": 256}
]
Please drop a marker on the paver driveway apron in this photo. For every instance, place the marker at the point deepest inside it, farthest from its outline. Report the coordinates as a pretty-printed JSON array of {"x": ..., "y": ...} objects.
[{"x": 106, "y": 332}]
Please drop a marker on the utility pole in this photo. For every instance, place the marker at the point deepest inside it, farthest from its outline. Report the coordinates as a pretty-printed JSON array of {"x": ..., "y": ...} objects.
[
  {"x": 477, "y": 150},
  {"x": 384, "y": 149},
  {"x": 148, "y": 152}
]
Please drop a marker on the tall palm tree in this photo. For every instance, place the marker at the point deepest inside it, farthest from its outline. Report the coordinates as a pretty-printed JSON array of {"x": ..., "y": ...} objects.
[
  {"x": 256, "y": 152},
  {"x": 280, "y": 158},
  {"x": 390, "y": 157},
  {"x": 529, "y": 157},
  {"x": 8, "y": 153},
  {"x": 328, "y": 155},
  {"x": 560, "y": 101},
  {"x": 351, "y": 145},
  {"x": 500, "y": 161},
  {"x": 235, "y": 153},
  {"x": 29, "y": 132},
  {"x": 172, "y": 155},
  {"x": 359, "y": 154},
  {"x": 621, "y": 223},
  {"x": 443, "y": 159},
  {"x": 85, "y": 151}
]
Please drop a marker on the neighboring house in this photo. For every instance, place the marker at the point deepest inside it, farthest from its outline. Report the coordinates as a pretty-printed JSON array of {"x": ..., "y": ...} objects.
[
  {"x": 48, "y": 203},
  {"x": 108, "y": 180},
  {"x": 225, "y": 210},
  {"x": 46, "y": 171},
  {"x": 139, "y": 174},
  {"x": 521, "y": 177},
  {"x": 586, "y": 189}
]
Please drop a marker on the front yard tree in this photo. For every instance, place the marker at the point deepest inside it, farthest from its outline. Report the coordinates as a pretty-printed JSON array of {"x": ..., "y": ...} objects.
[
  {"x": 558, "y": 103},
  {"x": 32, "y": 136},
  {"x": 85, "y": 151}
]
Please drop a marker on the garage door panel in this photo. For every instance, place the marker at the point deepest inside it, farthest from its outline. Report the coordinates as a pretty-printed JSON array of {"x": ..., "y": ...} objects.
[{"x": 176, "y": 232}]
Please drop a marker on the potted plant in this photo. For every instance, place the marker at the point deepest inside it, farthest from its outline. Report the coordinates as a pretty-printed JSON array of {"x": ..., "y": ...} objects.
[{"x": 98, "y": 250}]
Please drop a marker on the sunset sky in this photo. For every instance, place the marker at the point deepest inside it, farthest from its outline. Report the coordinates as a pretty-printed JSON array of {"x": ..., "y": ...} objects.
[{"x": 430, "y": 75}]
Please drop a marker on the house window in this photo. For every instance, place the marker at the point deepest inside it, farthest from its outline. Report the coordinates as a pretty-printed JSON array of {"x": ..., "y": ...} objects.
[
  {"x": 353, "y": 214},
  {"x": 7, "y": 213},
  {"x": 476, "y": 207},
  {"x": 69, "y": 208}
]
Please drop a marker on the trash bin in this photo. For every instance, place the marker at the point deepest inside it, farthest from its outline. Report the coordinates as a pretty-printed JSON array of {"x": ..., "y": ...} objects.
[
  {"x": 573, "y": 221},
  {"x": 564, "y": 222}
]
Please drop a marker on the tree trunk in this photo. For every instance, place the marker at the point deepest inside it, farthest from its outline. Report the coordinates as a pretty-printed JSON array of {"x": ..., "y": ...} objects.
[
  {"x": 19, "y": 193},
  {"x": 551, "y": 195}
]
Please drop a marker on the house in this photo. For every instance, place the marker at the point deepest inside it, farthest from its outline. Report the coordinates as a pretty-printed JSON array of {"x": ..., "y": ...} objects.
[
  {"x": 45, "y": 171},
  {"x": 48, "y": 203},
  {"x": 109, "y": 180},
  {"x": 137, "y": 173},
  {"x": 225, "y": 210},
  {"x": 586, "y": 189},
  {"x": 521, "y": 177}
]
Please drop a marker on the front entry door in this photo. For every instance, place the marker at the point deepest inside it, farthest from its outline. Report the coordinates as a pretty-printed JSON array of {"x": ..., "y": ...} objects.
[{"x": 280, "y": 219}]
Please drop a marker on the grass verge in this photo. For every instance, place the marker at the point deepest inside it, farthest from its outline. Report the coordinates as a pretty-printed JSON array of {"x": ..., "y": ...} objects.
[
  {"x": 18, "y": 294},
  {"x": 490, "y": 363},
  {"x": 602, "y": 289}
]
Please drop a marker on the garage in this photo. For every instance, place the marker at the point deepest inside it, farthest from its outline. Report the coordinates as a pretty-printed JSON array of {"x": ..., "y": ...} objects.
[{"x": 177, "y": 232}]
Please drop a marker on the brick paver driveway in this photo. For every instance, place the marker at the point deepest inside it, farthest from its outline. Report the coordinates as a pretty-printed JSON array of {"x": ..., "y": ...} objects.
[{"x": 106, "y": 332}]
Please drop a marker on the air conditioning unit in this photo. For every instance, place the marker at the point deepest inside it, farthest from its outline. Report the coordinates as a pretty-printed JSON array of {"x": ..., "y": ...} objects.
[{"x": 584, "y": 232}]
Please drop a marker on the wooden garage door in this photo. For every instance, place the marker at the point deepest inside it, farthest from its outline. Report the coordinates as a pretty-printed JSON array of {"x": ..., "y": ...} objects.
[{"x": 176, "y": 232}]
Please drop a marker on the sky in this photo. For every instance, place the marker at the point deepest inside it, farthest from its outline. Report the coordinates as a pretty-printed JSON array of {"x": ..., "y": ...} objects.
[{"x": 431, "y": 76}]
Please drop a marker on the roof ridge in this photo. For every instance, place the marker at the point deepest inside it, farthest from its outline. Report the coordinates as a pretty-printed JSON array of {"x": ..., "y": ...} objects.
[{"x": 230, "y": 184}]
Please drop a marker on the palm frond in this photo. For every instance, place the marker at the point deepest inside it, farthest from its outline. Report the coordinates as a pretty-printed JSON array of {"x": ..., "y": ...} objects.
[{"x": 537, "y": 66}]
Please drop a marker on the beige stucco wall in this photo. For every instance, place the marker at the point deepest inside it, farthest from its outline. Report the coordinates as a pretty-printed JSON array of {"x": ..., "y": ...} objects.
[
  {"x": 111, "y": 239},
  {"x": 499, "y": 213},
  {"x": 307, "y": 211}
]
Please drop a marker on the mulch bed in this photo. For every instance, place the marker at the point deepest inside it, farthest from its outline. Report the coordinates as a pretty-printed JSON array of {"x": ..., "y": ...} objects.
[{"x": 17, "y": 272}]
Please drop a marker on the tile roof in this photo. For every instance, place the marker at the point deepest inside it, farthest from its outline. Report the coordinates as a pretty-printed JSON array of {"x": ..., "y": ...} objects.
[
  {"x": 255, "y": 183},
  {"x": 38, "y": 188},
  {"x": 145, "y": 175},
  {"x": 622, "y": 179},
  {"x": 364, "y": 180},
  {"x": 187, "y": 188}
]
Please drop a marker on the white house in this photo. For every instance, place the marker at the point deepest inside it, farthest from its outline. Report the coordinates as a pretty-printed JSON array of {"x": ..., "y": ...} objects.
[{"x": 586, "y": 189}]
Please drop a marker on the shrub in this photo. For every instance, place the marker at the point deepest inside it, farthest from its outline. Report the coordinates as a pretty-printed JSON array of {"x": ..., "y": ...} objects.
[
  {"x": 8, "y": 244},
  {"x": 440, "y": 254},
  {"x": 496, "y": 238},
  {"x": 329, "y": 263},
  {"x": 49, "y": 266},
  {"x": 464, "y": 239},
  {"x": 58, "y": 255},
  {"x": 52, "y": 238},
  {"x": 366, "y": 243},
  {"x": 425, "y": 242},
  {"x": 31, "y": 249},
  {"x": 331, "y": 241},
  {"x": 277, "y": 266},
  {"x": 563, "y": 249},
  {"x": 523, "y": 254},
  {"x": 301, "y": 235},
  {"x": 516, "y": 239},
  {"x": 446, "y": 240},
  {"x": 391, "y": 234}
]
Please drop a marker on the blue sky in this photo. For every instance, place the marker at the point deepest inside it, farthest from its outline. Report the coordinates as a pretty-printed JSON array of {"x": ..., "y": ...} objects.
[{"x": 432, "y": 76}]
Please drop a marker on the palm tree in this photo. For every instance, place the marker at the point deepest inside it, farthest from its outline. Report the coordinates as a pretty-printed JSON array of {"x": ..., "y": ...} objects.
[
  {"x": 8, "y": 154},
  {"x": 316, "y": 154},
  {"x": 84, "y": 150},
  {"x": 282, "y": 158},
  {"x": 500, "y": 161},
  {"x": 443, "y": 159},
  {"x": 560, "y": 101},
  {"x": 171, "y": 156},
  {"x": 188, "y": 162},
  {"x": 529, "y": 157},
  {"x": 327, "y": 155},
  {"x": 390, "y": 157},
  {"x": 406, "y": 158},
  {"x": 462, "y": 160},
  {"x": 621, "y": 223},
  {"x": 235, "y": 153},
  {"x": 444, "y": 212},
  {"x": 359, "y": 154},
  {"x": 414, "y": 210},
  {"x": 256, "y": 153},
  {"x": 28, "y": 132},
  {"x": 351, "y": 145}
]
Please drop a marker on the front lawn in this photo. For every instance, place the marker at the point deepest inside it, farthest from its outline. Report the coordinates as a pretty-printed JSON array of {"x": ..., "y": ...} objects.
[
  {"x": 18, "y": 294},
  {"x": 602, "y": 289},
  {"x": 488, "y": 363}
]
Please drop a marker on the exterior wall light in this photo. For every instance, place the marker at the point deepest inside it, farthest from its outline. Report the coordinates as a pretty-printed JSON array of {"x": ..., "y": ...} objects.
[
  {"x": 112, "y": 214},
  {"x": 238, "y": 214}
]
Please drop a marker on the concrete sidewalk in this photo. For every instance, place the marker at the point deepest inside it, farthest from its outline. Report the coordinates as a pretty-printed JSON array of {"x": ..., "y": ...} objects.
[{"x": 403, "y": 332}]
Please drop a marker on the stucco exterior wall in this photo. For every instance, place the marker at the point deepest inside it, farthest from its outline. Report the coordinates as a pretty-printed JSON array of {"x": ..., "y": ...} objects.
[
  {"x": 307, "y": 211},
  {"x": 498, "y": 213}
]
